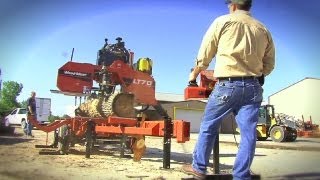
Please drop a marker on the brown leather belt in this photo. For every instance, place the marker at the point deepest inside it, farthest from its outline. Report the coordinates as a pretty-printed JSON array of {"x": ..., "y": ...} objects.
[{"x": 236, "y": 78}]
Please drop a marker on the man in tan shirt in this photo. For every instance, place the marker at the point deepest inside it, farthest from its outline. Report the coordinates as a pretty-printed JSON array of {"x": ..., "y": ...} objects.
[
  {"x": 242, "y": 46},
  {"x": 245, "y": 53}
]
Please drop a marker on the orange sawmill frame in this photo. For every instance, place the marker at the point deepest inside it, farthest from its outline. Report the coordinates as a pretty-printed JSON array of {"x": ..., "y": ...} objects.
[{"x": 118, "y": 125}]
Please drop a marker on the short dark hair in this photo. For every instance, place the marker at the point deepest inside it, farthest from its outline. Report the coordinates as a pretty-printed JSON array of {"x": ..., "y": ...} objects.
[{"x": 245, "y": 6}]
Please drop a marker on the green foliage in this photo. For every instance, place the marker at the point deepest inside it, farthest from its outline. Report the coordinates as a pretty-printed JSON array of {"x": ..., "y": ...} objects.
[
  {"x": 65, "y": 116},
  {"x": 23, "y": 104},
  {"x": 9, "y": 92},
  {"x": 4, "y": 107},
  {"x": 52, "y": 118},
  {"x": 4, "y": 110}
]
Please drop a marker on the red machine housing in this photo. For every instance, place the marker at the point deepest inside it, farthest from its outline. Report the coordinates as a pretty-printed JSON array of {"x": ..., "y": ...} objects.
[
  {"x": 73, "y": 77},
  {"x": 207, "y": 83},
  {"x": 77, "y": 77},
  {"x": 141, "y": 84}
]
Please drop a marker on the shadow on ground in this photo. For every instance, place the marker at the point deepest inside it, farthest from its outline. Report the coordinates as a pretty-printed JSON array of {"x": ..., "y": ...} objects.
[
  {"x": 308, "y": 140},
  {"x": 10, "y": 137},
  {"x": 296, "y": 176}
]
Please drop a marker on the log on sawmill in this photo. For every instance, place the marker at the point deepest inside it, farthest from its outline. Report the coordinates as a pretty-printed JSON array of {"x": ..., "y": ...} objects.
[{"x": 119, "y": 104}]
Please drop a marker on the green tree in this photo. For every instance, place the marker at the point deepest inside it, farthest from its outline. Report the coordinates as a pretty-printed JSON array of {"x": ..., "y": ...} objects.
[
  {"x": 66, "y": 116},
  {"x": 52, "y": 118},
  {"x": 9, "y": 93},
  {"x": 23, "y": 104}
]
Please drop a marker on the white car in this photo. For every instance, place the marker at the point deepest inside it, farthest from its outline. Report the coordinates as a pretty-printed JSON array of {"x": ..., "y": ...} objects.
[{"x": 17, "y": 117}]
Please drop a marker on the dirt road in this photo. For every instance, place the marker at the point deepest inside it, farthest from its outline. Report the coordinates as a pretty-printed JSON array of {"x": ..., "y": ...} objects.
[{"x": 21, "y": 160}]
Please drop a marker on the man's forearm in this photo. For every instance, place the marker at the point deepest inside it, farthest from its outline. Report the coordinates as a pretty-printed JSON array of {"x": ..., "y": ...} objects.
[
  {"x": 194, "y": 74},
  {"x": 30, "y": 110}
]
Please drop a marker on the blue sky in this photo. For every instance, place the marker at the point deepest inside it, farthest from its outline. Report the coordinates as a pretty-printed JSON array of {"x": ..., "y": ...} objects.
[{"x": 37, "y": 37}]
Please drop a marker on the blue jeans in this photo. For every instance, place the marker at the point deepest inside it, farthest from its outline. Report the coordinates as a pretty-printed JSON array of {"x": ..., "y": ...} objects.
[
  {"x": 243, "y": 98},
  {"x": 28, "y": 127}
]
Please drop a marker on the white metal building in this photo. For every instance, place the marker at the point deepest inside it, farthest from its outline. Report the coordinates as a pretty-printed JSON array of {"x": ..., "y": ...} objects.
[
  {"x": 299, "y": 99},
  {"x": 179, "y": 109},
  {"x": 190, "y": 110}
]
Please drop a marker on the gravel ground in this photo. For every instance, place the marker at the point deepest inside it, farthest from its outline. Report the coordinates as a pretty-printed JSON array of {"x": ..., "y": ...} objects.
[{"x": 21, "y": 160}]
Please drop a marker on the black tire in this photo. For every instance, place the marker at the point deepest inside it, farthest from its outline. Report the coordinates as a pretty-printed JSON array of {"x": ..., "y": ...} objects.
[
  {"x": 63, "y": 140},
  {"x": 262, "y": 138},
  {"x": 292, "y": 135},
  {"x": 23, "y": 124},
  {"x": 278, "y": 134},
  {"x": 294, "y": 138}
]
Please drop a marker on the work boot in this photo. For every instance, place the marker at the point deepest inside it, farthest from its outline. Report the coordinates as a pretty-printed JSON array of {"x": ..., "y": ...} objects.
[
  {"x": 189, "y": 170},
  {"x": 30, "y": 135}
]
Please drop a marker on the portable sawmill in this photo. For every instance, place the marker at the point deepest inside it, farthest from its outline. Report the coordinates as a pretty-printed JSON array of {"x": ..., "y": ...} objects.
[{"x": 116, "y": 107}]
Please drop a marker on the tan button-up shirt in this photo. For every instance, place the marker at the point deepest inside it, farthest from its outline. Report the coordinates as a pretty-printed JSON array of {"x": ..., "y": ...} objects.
[{"x": 241, "y": 44}]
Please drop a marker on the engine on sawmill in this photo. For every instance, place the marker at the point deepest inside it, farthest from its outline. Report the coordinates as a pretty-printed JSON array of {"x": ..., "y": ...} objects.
[{"x": 111, "y": 52}]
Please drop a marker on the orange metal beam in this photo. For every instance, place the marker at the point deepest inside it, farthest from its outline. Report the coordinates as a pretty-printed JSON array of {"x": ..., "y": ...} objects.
[
  {"x": 181, "y": 129},
  {"x": 119, "y": 125},
  {"x": 114, "y": 120},
  {"x": 49, "y": 127}
]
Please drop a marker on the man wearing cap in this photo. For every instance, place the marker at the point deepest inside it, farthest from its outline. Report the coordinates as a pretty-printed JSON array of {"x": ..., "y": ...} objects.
[{"x": 245, "y": 53}]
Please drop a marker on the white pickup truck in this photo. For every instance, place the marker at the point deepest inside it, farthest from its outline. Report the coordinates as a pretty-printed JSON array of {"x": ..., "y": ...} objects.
[{"x": 19, "y": 115}]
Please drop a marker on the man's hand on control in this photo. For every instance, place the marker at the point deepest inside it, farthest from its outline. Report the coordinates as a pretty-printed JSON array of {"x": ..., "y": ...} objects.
[
  {"x": 193, "y": 83},
  {"x": 31, "y": 113},
  {"x": 194, "y": 74}
]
